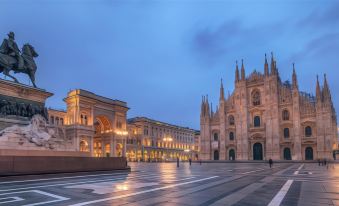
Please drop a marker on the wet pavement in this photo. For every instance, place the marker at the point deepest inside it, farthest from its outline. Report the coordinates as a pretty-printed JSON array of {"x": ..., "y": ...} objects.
[{"x": 164, "y": 184}]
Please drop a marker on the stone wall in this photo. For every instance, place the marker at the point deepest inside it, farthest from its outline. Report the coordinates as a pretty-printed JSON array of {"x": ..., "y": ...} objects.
[{"x": 15, "y": 165}]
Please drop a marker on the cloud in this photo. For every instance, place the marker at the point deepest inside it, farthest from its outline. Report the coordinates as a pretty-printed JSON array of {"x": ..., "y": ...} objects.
[
  {"x": 324, "y": 18},
  {"x": 214, "y": 43}
]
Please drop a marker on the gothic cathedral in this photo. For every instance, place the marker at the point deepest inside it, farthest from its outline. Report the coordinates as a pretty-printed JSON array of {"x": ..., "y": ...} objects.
[{"x": 266, "y": 118}]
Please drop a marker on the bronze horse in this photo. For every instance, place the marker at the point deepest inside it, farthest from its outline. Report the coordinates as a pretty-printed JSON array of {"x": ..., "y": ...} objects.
[{"x": 9, "y": 63}]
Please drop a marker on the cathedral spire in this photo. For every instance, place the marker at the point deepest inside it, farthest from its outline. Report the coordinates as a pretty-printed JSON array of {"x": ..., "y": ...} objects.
[
  {"x": 294, "y": 79},
  {"x": 318, "y": 92},
  {"x": 326, "y": 90},
  {"x": 242, "y": 70},
  {"x": 236, "y": 72},
  {"x": 222, "y": 96},
  {"x": 273, "y": 65},
  {"x": 266, "y": 66}
]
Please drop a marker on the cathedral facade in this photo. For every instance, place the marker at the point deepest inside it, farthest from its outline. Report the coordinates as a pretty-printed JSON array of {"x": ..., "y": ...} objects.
[{"x": 267, "y": 118}]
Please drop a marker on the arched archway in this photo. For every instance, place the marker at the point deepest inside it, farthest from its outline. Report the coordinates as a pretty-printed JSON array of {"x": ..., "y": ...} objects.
[
  {"x": 309, "y": 153},
  {"x": 216, "y": 155},
  {"x": 257, "y": 151},
  {"x": 287, "y": 154},
  {"x": 102, "y": 125},
  {"x": 231, "y": 154}
]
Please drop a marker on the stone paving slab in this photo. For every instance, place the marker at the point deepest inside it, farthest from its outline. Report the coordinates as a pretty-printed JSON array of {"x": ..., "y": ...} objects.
[{"x": 165, "y": 184}]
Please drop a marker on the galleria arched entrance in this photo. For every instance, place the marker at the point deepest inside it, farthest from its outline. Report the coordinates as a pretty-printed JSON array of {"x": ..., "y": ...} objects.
[{"x": 257, "y": 151}]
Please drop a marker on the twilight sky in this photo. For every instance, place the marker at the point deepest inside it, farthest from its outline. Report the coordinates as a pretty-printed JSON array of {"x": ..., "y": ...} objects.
[{"x": 162, "y": 56}]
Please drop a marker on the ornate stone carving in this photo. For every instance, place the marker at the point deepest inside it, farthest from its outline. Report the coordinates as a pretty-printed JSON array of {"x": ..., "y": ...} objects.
[{"x": 36, "y": 132}]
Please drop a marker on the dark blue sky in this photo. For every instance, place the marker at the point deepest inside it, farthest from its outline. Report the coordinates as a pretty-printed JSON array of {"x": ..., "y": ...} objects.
[{"x": 161, "y": 56}]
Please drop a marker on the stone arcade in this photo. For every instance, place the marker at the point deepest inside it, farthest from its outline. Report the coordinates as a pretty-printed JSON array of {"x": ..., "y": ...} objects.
[{"x": 267, "y": 118}]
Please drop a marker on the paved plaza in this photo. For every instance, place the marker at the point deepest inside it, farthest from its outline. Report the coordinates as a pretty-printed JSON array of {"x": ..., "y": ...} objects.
[{"x": 164, "y": 184}]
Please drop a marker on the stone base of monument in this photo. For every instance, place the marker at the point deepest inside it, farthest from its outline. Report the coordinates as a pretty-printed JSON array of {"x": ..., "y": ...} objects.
[
  {"x": 24, "y": 129},
  {"x": 14, "y": 165},
  {"x": 19, "y": 103}
]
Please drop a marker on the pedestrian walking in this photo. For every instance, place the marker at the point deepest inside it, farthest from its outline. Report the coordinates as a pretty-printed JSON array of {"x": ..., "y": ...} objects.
[
  {"x": 177, "y": 161},
  {"x": 200, "y": 161},
  {"x": 318, "y": 162},
  {"x": 190, "y": 161},
  {"x": 270, "y": 161}
]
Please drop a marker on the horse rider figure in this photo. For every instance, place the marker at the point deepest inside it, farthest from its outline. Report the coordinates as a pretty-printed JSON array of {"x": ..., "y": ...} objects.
[{"x": 9, "y": 47}]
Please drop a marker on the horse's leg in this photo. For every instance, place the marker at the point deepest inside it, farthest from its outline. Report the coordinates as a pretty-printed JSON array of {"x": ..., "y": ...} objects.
[
  {"x": 6, "y": 72},
  {"x": 31, "y": 76}
]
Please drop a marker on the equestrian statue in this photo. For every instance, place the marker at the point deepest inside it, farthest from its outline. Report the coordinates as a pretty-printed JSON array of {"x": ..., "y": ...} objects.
[{"x": 12, "y": 59}]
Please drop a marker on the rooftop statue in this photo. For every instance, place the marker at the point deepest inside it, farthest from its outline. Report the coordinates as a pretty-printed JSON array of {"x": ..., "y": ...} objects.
[{"x": 12, "y": 59}]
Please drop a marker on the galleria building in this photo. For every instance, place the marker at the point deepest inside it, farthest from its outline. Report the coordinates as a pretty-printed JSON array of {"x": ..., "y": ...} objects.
[
  {"x": 266, "y": 118},
  {"x": 98, "y": 126}
]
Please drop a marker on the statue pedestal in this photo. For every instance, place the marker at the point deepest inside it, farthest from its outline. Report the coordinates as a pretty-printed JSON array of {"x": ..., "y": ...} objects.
[{"x": 19, "y": 102}]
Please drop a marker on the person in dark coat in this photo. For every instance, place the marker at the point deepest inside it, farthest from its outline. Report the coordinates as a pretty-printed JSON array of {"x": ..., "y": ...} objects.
[{"x": 270, "y": 161}]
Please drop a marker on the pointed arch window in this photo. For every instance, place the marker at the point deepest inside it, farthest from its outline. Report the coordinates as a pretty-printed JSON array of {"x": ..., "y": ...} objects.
[
  {"x": 216, "y": 137},
  {"x": 231, "y": 120},
  {"x": 256, "y": 121},
  {"x": 256, "y": 98},
  {"x": 231, "y": 136},
  {"x": 285, "y": 115},
  {"x": 286, "y": 133},
  {"x": 308, "y": 131}
]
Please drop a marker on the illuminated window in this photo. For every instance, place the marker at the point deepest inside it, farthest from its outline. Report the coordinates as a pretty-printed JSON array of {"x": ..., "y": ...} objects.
[
  {"x": 83, "y": 146},
  {"x": 83, "y": 119}
]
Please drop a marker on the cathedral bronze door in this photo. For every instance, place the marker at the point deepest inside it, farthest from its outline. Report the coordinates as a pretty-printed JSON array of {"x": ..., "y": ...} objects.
[
  {"x": 308, "y": 153},
  {"x": 231, "y": 154},
  {"x": 287, "y": 154},
  {"x": 216, "y": 155},
  {"x": 257, "y": 151}
]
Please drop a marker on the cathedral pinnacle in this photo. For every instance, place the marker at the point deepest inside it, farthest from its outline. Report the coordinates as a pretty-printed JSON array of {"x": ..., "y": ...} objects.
[
  {"x": 222, "y": 97},
  {"x": 242, "y": 70},
  {"x": 273, "y": 65},
  {"x": 326, "y": 90},
  {"x": 266, "y": 66},
  {"x": 236, "y": 72},
  {"x": 294, "y": 78},
  {"x": 318, "y": 92}
]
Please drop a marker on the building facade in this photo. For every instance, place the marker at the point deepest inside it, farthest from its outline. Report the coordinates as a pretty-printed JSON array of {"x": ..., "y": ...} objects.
[
  {"x": 266, "y": 118},
  {"x": 152, "y": 140},
  {"x": 93, "y": 124}
]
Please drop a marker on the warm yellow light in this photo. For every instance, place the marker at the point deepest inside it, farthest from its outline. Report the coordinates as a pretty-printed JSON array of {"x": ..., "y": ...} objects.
[
  {"x": 186, "y": 150},
  {"x": 122, "y": 187},
  {"x": 121, "y": 132}
]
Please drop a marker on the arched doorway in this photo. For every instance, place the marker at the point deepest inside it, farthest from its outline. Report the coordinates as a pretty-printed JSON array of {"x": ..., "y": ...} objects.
[
  {"x": 287, "y": 154},
  {"x": 216, "y": 155},
  {"x": 231, "y": 154},
  {"x": 309, "y": 153},
  {"x": 257, "y": 151}
]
